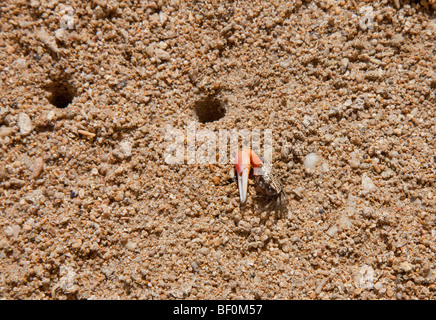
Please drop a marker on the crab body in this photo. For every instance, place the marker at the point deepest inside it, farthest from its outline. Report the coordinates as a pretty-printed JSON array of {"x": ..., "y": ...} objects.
[{"x": 267, "y": 184}]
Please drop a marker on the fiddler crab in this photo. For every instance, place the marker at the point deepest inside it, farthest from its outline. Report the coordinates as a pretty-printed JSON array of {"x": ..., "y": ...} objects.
[{"x": 267, "y": 185}]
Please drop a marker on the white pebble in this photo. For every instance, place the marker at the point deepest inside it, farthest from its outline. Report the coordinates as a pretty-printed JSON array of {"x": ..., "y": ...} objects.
[
  {"x": 24, "y": 123},
  {"x": 131, "y": 246},
  {"x": 51, "y": 115},
  {"x": 367, "y": 185},
  {"x": 203, "y": 251},
  {"x": 379, "y": 286},
  {"x": 365, "y": 277},
  {"x": 345, "y": 222},
  {"x": 286, "y": 63},
  {"x": 298, "y": 192},
  {"x": 67, "y": 279},
  {"x": 162, "y": 54},
  {"x": 126, "y": 148},
  {"x": 310, "y": 161},
  {"x": 332, "y": 231},
  {"x": 325, "y": 167},
  {"x": 12, "y": 231},
  {"x": 22, "y": 63},
  {"x": 405, "y": 266}
]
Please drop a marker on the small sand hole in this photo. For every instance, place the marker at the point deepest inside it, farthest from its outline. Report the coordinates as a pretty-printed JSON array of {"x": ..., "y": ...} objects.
[
  {"x": 209, "y": 109},
  {"x": 61, "y": 93}
]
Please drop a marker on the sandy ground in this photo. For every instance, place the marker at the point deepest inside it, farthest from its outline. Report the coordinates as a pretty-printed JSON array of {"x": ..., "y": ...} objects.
[{"x": 89, "y": 209}]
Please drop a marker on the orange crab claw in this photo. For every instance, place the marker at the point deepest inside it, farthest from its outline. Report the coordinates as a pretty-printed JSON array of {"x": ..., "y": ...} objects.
[
  {"x": 243, "y": 164},
  {"x": 243, "y": 161}
]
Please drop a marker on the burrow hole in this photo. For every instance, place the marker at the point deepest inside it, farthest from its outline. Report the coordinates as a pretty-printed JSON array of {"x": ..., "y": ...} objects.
[
  {"x": 61, "y": 92},
  {"x": 209, "y": 109}
]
